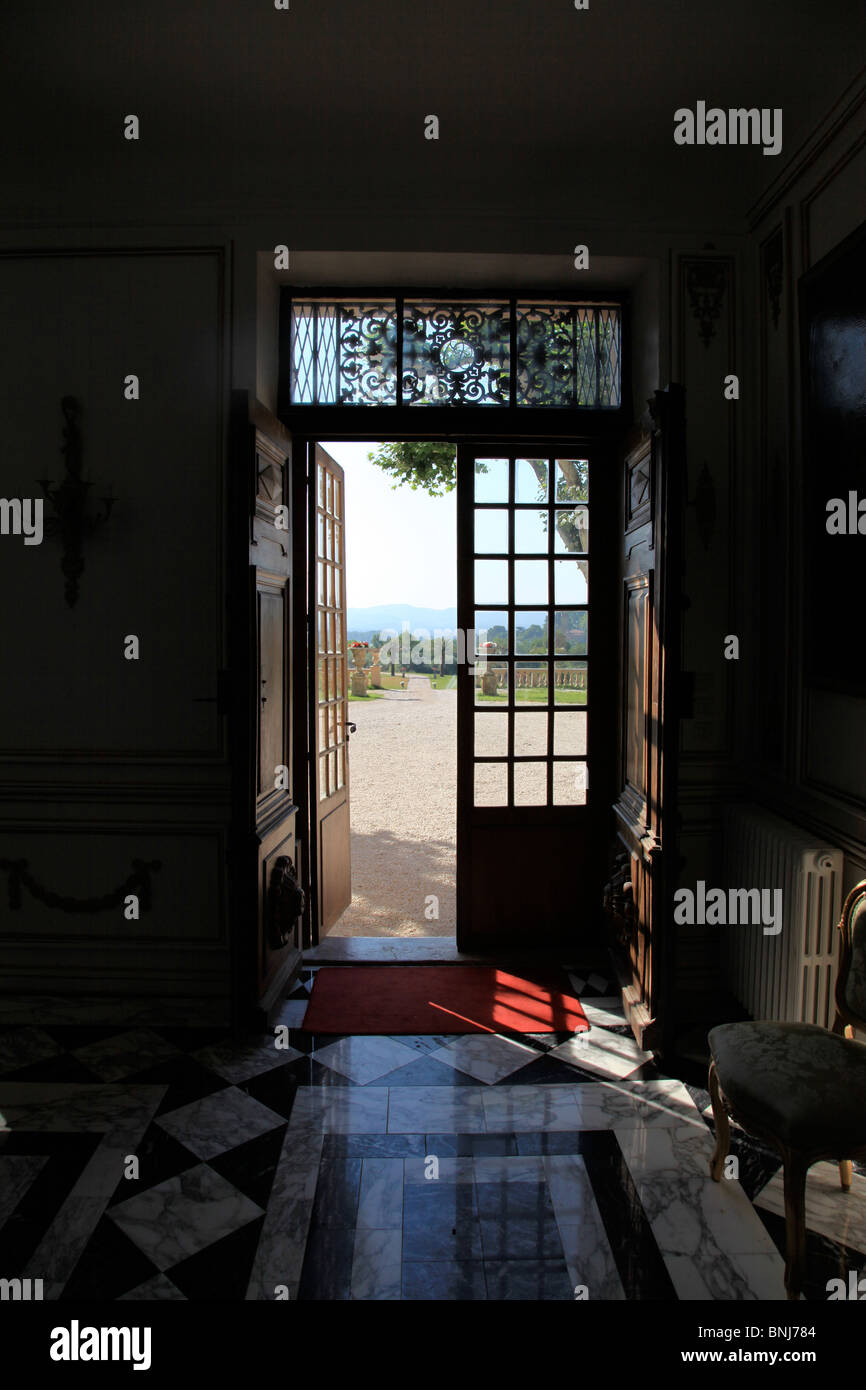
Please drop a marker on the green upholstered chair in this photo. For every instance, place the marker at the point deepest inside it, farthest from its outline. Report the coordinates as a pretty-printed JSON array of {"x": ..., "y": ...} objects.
[{"x": 799, "y": 1087}]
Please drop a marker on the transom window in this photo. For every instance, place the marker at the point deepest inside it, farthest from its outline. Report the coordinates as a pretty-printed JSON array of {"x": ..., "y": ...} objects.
[{"x": 417, "y": 351}]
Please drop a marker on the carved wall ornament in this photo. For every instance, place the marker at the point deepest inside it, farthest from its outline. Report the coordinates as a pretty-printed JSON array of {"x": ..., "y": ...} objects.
[
  {"x": 618, "y": 901},
  {"x": 638, "y": 485},
  {"x": 270, "y": 480},
  {"x": 706, "y": 282},
  {"x": 138, "y": 882},
  {"x": 71, "y": 521},
  {"x": 285, "y": 903}
]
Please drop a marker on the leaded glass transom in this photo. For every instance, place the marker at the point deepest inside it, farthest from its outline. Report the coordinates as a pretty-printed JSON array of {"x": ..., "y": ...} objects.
[
  {"x": 432, "y": 352},
  {"x": 456, "y": 354},
  {"x": 344, "y": 354}
]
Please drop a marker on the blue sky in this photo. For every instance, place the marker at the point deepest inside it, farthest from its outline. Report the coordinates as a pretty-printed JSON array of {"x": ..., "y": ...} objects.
[{"x": 401, "y": 546}]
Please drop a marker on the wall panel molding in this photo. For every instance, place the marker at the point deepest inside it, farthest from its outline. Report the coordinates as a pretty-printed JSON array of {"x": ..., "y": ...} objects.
[
  {"x": 850, "y": 104},
  {"x": 809, "y": 199},
  {"x": 707, "y": 349},
  {"x": 100, "y": 868},
  {"x": 213, "y": 290}
]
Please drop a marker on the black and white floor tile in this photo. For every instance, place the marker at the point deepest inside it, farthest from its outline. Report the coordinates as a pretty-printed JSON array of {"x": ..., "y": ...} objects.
[{"x": 154, "y": 1163}]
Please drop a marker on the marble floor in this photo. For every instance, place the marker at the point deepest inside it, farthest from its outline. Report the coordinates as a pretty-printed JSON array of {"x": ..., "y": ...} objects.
[{"x": 171, "y": 1163}]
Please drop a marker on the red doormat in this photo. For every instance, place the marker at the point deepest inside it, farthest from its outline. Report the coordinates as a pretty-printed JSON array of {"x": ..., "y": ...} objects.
[{"x": 441, "y": 999}]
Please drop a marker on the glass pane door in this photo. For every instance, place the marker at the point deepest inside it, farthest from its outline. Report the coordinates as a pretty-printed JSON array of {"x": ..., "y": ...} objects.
[
  {"x": 332, "y": 692},
  {"x": 530, "y": 570}
]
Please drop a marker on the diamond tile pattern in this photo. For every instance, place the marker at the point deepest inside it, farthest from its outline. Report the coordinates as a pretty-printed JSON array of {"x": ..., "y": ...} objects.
[{"x": 379, "y": 1168}]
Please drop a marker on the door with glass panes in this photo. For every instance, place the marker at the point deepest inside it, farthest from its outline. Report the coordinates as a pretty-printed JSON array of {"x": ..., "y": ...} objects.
[
  {"x": 330, "y": 733},
  {"x": 531, "y": 821}
]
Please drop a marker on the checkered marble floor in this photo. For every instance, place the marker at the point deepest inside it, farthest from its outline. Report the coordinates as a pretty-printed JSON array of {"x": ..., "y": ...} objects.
[{"x": 172, "y": 1163}]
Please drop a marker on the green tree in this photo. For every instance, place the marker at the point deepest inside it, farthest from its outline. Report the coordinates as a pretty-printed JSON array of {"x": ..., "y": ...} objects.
[{"x": 431, "y": 466}]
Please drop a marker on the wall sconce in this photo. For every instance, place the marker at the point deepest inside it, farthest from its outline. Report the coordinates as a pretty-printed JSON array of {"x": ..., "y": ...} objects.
[{"x": 71, "y": 521}]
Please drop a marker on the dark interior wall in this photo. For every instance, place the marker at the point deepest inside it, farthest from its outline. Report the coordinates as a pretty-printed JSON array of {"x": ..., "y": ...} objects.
[
  {"x": 805, "y": 748},
  {"x": 107, "y": 760},
  {"x": 245, "y": 146}
]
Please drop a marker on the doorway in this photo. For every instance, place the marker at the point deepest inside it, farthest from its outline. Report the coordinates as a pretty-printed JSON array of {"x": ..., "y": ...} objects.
[
  {"x": 535, "y": 730},
  {"x": 386, "y": 621}
]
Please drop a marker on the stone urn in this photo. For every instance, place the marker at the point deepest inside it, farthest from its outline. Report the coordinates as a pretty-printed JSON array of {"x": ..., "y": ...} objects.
[
  {"x": 489, "y": 675},
  {"x": 359, "y": 656}
]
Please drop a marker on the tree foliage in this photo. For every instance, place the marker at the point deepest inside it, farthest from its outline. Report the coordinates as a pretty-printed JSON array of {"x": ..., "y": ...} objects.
[{"x": 431, "y": 466}]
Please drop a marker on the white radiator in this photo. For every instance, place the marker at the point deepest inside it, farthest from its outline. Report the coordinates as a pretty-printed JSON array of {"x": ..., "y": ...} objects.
[{"x": 792, "y": 975}]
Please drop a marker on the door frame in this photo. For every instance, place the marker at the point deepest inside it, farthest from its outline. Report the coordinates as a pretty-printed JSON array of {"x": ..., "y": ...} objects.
[{"x": 605, "y": 444}]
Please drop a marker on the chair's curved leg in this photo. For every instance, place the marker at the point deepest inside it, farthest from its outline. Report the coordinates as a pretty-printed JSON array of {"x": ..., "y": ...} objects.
[
  {"x": 723, "y": 1128},
  {"x": 796, "y": 1169}
]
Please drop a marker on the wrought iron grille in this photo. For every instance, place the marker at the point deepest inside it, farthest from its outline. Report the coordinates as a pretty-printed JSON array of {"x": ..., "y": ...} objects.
[
  {"x": 344, "y": 354},
  {"x": 456, "y": 354},
  {"x": 432, "y": 352},
  {"x": 568, "y": 355}
]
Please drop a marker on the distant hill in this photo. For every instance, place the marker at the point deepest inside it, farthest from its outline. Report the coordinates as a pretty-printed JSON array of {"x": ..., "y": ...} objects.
[{"x": 364, "y": 623}]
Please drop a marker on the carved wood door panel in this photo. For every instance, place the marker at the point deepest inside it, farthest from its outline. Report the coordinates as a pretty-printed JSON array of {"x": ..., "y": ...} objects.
[
  {"x": 650, "y": 617},
  {"x": 266, "y": 861}
]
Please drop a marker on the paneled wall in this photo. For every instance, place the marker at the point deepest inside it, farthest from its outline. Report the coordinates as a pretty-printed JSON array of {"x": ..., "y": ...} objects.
[
  {"x": 803, "y": 751},
  {"x": 750, "y": 726},
  {"x": 706, "y": 314},
  {"x": 103, "y": 760}
]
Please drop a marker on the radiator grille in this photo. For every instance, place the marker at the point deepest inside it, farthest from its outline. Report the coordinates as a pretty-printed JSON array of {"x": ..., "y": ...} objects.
[{"x": 790, "y": 976}]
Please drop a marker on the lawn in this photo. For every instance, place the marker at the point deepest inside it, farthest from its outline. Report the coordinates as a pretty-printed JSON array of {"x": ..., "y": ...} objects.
[
  {"x": 370, "y": 695},
  {"x": 534, "y": 694},
  {"x": 443, "y": 682}
]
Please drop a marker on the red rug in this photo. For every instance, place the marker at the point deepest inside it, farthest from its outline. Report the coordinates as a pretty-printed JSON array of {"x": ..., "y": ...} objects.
[{"x": 441, "y": 999}]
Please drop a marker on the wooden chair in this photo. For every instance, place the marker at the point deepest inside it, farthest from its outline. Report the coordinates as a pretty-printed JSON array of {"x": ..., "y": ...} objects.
[{"x": 799, "y": 1087}]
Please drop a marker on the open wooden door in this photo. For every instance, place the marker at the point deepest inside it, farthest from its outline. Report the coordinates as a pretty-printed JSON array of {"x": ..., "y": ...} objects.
[
  {"x": 265, "y": 858},
  {"x": 645, "y": 809},
  {"x": 328, "y": 679},
  {"x": 534, "y": 581}
]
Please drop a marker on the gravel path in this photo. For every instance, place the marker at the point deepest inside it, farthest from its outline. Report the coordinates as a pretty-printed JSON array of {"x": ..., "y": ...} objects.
[{"x": 403, "y": 808}]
